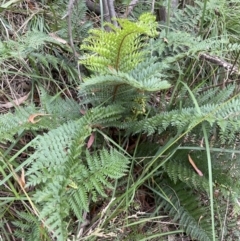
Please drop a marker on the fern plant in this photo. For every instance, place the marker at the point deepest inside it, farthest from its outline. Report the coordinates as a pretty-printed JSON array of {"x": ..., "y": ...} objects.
[{"x": 127, "y": 111}]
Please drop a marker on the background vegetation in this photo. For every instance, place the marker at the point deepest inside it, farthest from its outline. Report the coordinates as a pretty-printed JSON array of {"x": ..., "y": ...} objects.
[{"x": 119, "y": 120}]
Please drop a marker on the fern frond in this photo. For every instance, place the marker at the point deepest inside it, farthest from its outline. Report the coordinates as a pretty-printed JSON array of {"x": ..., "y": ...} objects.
[
  {"x": 64, "y": 109},
  {"x": 45, "y": 59},
  {"x": 226, "y": 182},
  {"x": 215, "y": 95},
  {"x": 49, "y": 61},
  {"x": 225, "y": 115},
  {"x": 54, "y": 112},
  {"x": 56, "y": 144},
  {"x": 119, "y": 49},
  {"x": 186, "y": 209},
  {"x": 125, "y": 88},
  {"x": 103, "y": 94},
  {"x": 66, "y": 173},
  {"x": 178, "y": 171},
  {"x": 183, "y": 45},
  {"x": 144, "y": 81},
  {"x": 28, "y": 227},
  {"x": 94, "y": 177},
  {"x": 27, "y": 44},
  {"x": 181, "y": 18},
  {"x": 54, "y": 209}
]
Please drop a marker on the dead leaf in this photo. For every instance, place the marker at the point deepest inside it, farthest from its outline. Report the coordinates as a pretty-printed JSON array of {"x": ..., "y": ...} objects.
[
  {"x": 16, "y": 102},
  {"x": 165, "y": 40},
  {"x": 90, "y": 141},
  {"x": 194, "y": 166},
  {"x": 33, "y": 116},
  {"x": 21, "y": 180},
  {"x": 83, "y": 112},
  {"x": 58, "y": 39}
]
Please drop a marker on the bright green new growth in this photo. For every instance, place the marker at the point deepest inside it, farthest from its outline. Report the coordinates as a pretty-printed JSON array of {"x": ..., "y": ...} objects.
[
  {"x": 126, "y": 69},
  {"x": 119, "y": 49}
]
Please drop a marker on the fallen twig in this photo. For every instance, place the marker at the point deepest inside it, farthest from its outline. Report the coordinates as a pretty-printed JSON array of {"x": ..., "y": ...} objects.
[
  {"x": 69, "y": 14},
  {"x": 220, "y": 62}
]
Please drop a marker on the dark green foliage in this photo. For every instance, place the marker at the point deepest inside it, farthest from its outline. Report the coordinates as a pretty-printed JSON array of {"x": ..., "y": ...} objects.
[
  {"x": 29, "y": 227},
  {"x": 178, "y": 171},
  {"x": 225, "y": 186},
  {"x": 186, "y": 209}
]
